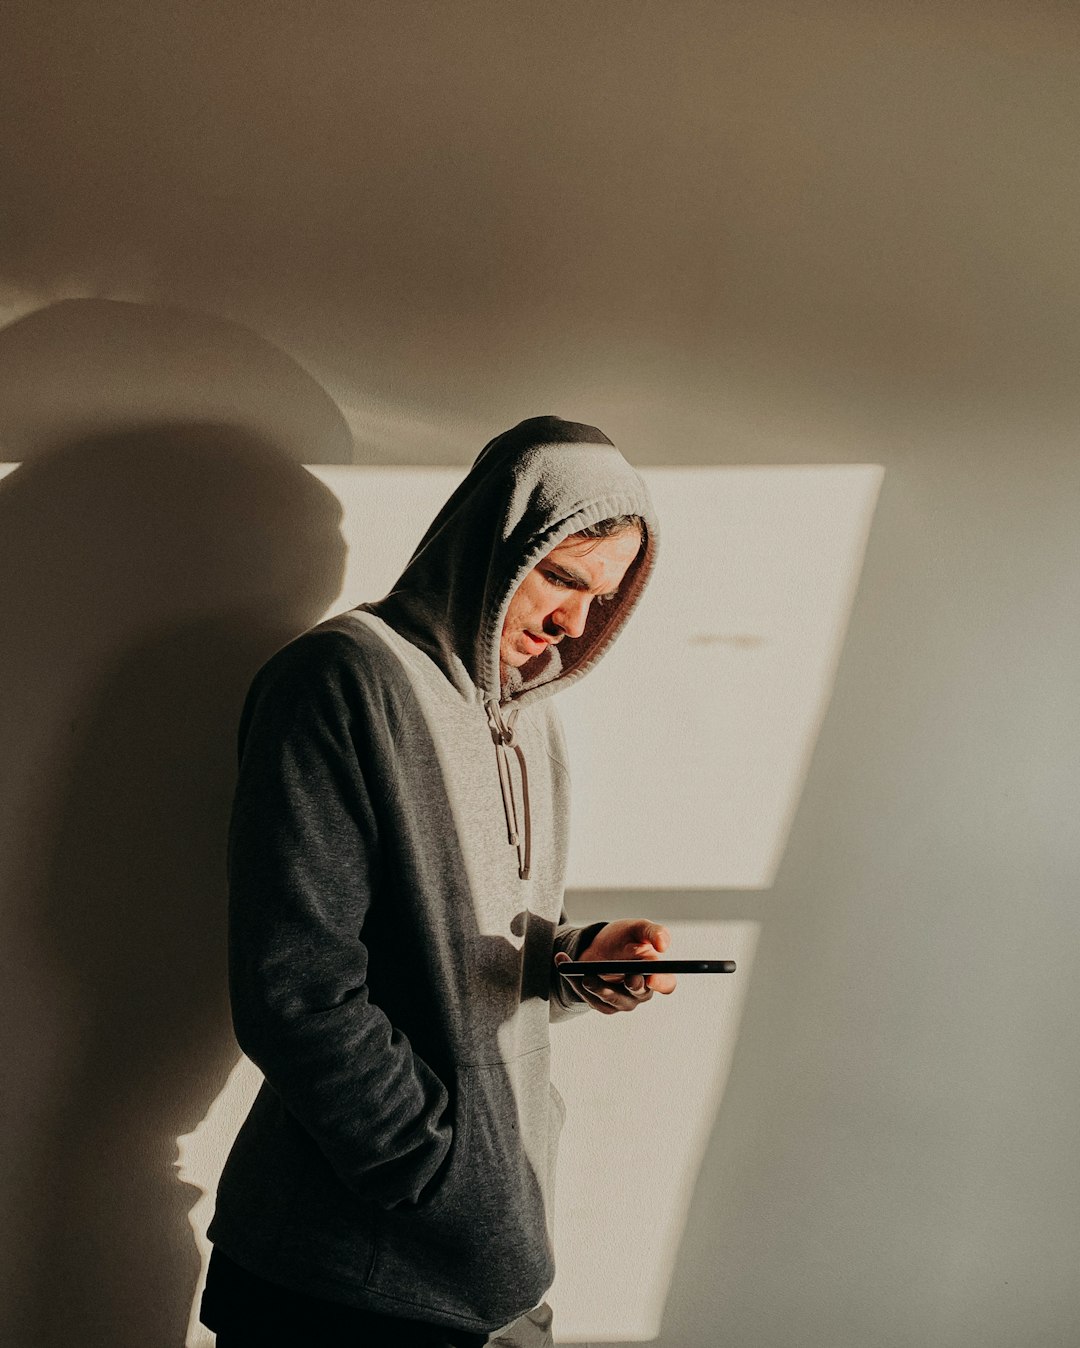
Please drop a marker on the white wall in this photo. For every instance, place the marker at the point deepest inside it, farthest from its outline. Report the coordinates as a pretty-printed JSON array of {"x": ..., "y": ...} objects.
[
  {"x": 731, "y": 235},
  {"x": 892, "y": 1161}
]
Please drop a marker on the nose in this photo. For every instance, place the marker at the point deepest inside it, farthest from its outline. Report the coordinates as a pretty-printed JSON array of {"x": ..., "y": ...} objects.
[{"x": 572, "y": 613}]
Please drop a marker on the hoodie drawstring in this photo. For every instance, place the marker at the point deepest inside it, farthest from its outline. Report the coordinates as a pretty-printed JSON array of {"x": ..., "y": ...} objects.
[{"x": 502, "y": 733}]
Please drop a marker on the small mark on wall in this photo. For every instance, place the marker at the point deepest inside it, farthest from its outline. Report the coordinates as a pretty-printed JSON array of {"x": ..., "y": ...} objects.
[{"x": 741, "y": 640}]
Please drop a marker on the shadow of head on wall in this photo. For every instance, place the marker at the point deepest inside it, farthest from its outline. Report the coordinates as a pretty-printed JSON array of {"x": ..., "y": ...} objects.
[
  {"x": 85, "y": 367},
  {"x": 146, "y": 570}
]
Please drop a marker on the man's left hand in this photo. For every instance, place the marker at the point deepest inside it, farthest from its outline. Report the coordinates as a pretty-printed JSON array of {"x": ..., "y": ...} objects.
[{"x": 638, "y": 939}]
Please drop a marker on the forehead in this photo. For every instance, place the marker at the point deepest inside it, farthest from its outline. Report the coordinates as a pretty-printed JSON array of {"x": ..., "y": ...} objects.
[{"x": 597, "y": 556}]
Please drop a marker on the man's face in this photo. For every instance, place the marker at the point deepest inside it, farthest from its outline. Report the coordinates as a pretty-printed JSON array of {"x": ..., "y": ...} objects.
[{"x": 552, "y": 602}]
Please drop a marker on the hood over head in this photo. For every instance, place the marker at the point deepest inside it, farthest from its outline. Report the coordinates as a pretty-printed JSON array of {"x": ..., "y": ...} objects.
[{"x": 528, "y": 490}]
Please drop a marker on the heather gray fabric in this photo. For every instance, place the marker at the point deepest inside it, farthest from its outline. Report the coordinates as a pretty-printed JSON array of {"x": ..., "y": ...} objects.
[{"x": 391, "y": 951}]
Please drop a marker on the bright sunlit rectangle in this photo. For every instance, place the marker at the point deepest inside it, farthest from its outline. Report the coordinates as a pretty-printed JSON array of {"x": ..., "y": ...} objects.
[{"x": 690, "y": 740}]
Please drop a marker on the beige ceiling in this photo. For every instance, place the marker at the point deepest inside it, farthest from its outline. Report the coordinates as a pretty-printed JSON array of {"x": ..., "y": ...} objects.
[{"x": 453, "y": 213}]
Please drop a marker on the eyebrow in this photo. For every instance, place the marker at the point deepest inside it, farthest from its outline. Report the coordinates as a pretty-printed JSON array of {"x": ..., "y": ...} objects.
[{"x": 582, "y": 582}]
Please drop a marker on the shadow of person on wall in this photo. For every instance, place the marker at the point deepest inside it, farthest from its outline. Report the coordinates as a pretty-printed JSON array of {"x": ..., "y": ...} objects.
[
  {"x": 190, "y": 555},
  {"x": 145, "y": 574}
]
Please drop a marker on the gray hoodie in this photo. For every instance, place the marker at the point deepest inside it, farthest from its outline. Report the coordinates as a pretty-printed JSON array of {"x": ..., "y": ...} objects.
[{"x": 397, "y": 855}]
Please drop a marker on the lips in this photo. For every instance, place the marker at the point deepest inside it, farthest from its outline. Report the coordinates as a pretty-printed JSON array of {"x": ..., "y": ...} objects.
[{"x": 538, "y": 643}]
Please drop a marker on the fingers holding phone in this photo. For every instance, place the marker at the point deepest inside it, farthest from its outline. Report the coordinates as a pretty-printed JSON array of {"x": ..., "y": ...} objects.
[
  {"x": 622, "y": 966},
  {"x": 611, "y": 992}
]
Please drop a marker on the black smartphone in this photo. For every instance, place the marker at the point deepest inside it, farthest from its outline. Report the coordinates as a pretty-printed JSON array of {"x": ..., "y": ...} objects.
[{"x": 575, "y": 968}]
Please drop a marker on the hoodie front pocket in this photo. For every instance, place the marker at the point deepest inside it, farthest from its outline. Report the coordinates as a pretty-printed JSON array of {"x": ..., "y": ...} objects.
[{"x": 480, "y": 1247}]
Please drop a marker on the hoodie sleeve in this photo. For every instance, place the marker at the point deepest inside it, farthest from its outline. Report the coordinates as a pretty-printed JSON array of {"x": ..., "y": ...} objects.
[
  {"x": 304, "y": 867},
  {"x": 565, "y": 999}
]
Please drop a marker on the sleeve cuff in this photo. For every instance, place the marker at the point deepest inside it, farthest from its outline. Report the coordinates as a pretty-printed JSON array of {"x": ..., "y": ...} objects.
[{"x": 565, "y": 999}]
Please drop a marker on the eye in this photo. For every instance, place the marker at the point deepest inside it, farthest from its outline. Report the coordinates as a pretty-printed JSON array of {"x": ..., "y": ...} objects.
[{"x": 556, "y": 579}]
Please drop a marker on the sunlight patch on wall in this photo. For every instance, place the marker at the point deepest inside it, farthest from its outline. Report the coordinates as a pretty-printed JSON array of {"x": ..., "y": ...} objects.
[
  {"x": 643, "y": 1092},
  {"x": 691, "y": 741}
]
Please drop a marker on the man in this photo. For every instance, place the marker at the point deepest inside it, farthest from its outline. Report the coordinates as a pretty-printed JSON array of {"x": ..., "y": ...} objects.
[{"x": 397, "y": 855}]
